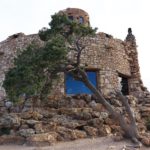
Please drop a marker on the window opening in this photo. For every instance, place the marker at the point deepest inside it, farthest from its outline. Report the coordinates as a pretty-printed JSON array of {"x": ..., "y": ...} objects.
[
  {"x": 123, "y": 85},
  {"x": 70, "y": 18},
  {"x": 81, "y": 20},
  {"x": 77, "y": 87}
]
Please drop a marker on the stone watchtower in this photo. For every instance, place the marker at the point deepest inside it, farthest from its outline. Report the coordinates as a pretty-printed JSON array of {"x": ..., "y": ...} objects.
[{"x": 78, "y": 15}]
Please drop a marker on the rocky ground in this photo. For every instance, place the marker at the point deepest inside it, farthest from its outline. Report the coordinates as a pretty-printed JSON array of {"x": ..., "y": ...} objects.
[
  {"x": 63, "y": 120},
  {"x": 103, "y": 143}
]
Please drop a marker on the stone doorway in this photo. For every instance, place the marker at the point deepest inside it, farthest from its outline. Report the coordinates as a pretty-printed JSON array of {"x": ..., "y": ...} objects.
[{"x": 123, "y": 84}]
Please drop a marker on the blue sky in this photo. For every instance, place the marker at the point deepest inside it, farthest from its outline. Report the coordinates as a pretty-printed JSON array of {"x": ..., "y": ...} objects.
[{"x": 110, "y": 16}]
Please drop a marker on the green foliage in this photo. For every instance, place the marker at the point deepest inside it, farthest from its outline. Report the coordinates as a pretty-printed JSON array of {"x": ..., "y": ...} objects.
[
  {"x": 61, "y": 25},
  {"x": 32, "y": 68},
  {"x": 4, "y": 131},
  {"x": 36, "y": 67}
]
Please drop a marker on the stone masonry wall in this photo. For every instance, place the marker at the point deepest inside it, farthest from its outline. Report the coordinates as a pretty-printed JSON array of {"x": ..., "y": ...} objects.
[
  {"x": 107, "y": 55},
  {"x": 136, "y": 86}
]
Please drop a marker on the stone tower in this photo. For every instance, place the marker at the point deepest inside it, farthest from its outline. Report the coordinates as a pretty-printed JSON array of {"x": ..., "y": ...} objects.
[
  {"x": 136, "y": 86},
  {"x": 77, "y": 15}
]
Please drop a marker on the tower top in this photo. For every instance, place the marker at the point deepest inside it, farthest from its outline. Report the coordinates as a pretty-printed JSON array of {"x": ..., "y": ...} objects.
[{"x": 78, "y": 15}]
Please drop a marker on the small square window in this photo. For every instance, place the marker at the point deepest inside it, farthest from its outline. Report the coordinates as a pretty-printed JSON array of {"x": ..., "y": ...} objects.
[
  {"x": 77, "y": 87},
  {"x": 70, "y": 18}
]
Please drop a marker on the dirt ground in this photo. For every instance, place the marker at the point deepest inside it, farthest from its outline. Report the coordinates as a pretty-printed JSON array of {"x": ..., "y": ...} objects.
[{"x": 104, "y": 143}]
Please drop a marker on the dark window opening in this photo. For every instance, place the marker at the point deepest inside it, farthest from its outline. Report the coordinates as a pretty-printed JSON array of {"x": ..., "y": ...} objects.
[
  {"x": 123, "y": 83},
  {"x": 81, "y": 20},
  {"x": 77, "y": 87},
  {"x": 4, "y": 131},
  {"x": 1, "y": 53},
  {"x": 108, "y": 36},
  {"x": 15, "y": 36},
  {"x": 70, "y": 18}
]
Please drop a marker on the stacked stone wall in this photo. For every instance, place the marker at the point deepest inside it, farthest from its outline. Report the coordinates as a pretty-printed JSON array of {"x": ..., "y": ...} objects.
[
  {"x": 9, "y": 50},
  {"x": 65, "y": 119},
  {"x": 109, "y": 56}
]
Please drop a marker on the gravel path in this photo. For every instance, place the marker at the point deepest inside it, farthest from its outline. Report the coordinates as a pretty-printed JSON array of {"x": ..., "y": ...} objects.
[{"x": 104, "y": 143}]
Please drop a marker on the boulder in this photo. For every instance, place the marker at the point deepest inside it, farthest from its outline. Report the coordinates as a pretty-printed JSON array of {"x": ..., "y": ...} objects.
[
  {"x": 96, "y": 122},
  {"x": 42, "y": 139},
  {"x": 146, "y": 141},
  {"x": 31, "y": 115},
  {"x": 47, "y": 112},
  {"x": 36, "y": 115},
  {"x": 26, "y": 115},
  {"x": 141, "y": 127},
  {"x": 60, "y": 119},
  {"x": 10, "y": 121},
  {"x": 32, "y": 122},
  {"x": 48, "y": 126},
  {"x": 72, "y": 124},
  {"x": 26, "y": 132},
  {"x": 38, "y": 128},
  {"x": 109, "y": 121},
  {"x": 107, "y": 129},
  {"x": 24, "y": 126},
  {"x": 80, "y": 134},
  {"x": 104, "y": 115},
  {"x": 12, "y": 139},
  {"x": 96, "y": 106},
  {"x": 132, "y": 100},
  {"x": 91, "y": 131},
  {"x": 65, "y": 134},
  {"x": 96, "y": 114},
  {"x": 81, "y": 103}
]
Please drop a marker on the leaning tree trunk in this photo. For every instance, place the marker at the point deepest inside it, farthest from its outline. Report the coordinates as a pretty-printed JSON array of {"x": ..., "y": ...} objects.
[
  {"x": 129, "y": 129},
  {"x": 46, "y": 87}
]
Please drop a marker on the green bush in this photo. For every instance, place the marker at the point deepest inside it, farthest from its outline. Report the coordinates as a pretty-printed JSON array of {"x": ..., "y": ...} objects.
[{"x": 4, "y": 131}]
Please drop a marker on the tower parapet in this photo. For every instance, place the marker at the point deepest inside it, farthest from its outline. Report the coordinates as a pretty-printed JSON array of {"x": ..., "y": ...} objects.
[{"x": 78, "y": 15}]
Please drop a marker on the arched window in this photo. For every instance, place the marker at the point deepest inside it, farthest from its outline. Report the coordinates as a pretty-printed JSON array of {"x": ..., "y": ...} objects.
[{"x": 81, "y": 20}]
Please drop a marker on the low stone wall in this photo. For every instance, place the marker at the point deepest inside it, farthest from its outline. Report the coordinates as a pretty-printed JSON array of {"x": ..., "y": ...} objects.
[{"x": 70, "y": 118}]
